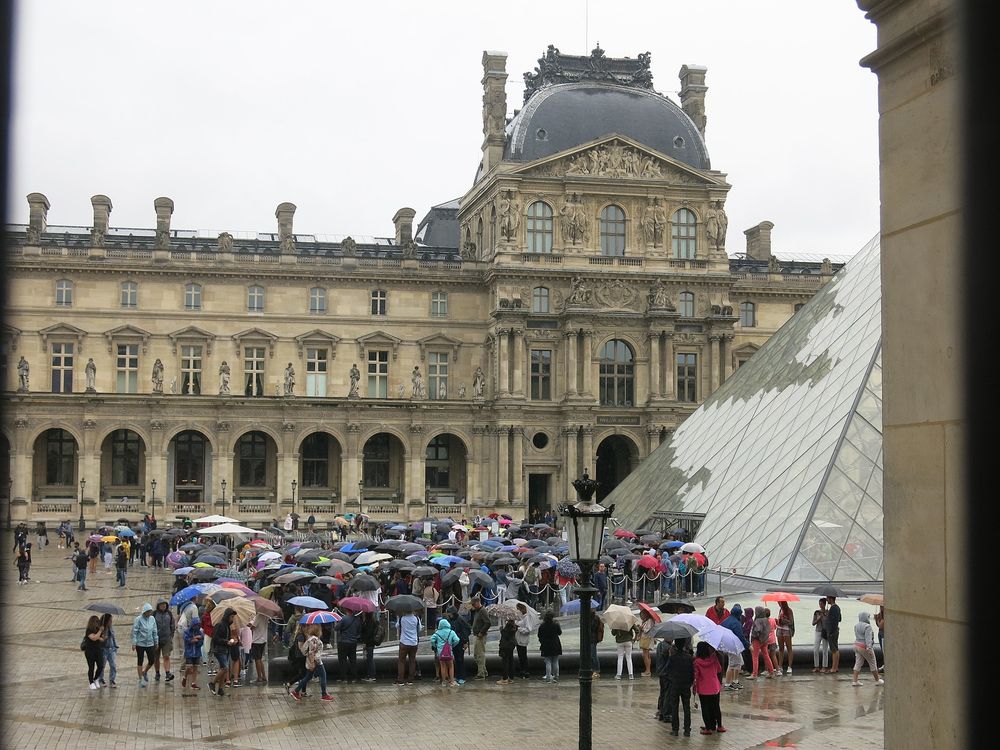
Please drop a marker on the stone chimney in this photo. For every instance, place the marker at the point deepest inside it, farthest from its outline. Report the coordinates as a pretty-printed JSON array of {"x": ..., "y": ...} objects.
[
  {"x": 404, "y": 225},
  {"x": 759, "y": 241},
  {"x": 164, "y": 209},
  {"x": 693, "y": 90},
  {"x": 494, "y": 107},
  {"x": 38, "y": 217},
  {"x": 102, "y": 213},
  {"x": 284, "y": 213}
]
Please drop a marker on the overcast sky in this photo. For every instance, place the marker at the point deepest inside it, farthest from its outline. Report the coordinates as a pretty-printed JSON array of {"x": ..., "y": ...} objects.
[{"x": 353, "y": 110}]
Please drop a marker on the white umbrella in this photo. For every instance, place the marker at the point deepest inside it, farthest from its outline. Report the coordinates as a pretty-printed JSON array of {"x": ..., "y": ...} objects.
[
  {"x": 230, "y": 528},
  {"x": 692, "y": 547},
  {"x": 367, "y": 558},
  {"x": 699, "y": 621},
  {"x": 215, "y": 519},
  {"x": 721, "y": 639}
]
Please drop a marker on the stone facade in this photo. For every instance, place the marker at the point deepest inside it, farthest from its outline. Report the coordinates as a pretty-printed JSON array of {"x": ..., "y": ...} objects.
[{"x": 261, "y": 375}]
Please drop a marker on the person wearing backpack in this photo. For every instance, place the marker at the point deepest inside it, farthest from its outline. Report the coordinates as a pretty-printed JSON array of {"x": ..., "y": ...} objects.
[
  {"x": 372, "y": 635},
  {"x": 443, "y": 643}
]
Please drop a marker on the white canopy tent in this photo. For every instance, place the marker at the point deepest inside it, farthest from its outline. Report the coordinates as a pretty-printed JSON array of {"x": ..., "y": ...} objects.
[
  {"x": 231, "y": 528},
  {"x": 215, "y": 519}
]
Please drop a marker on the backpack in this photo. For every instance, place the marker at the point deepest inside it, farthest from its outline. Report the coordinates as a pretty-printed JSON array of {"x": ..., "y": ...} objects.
[
  {"x": 446, "y": 651},
  {"x": 531, "y": 575},
  {"x": 380, "y": 631}
]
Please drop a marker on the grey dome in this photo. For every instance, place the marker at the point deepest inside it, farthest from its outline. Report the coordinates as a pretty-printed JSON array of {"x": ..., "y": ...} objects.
[{"x": 565, "y": 115}]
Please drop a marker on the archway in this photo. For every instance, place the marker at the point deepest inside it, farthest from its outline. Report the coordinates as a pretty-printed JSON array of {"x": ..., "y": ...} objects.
[
  {"x": 6, "y": 474},
  {"x": 319, "y": 469},
  {"x": 254, "y": 479},
  {"x": 383, "y": 473},
  {"x": 617, "y": 456},
  {"x": 445, "y": 473},
  {"x": 123, "y": 469},
  {"x": 189, "y": 468},
  {"x": 55, "y": 466}
]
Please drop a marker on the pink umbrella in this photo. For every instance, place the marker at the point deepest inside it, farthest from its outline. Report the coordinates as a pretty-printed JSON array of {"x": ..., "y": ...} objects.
[
  {"x": 624, "y": 534},
  {"x": 236, "y": 586},
  {"x": 505, "y": 522},
  {"x": 356, "y": 604}
]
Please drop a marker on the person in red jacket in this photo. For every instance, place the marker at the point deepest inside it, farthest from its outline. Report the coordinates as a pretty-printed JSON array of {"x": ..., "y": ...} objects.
[
  {"x": 708, "y": 687},
  {"x": 717, "y": 612}
]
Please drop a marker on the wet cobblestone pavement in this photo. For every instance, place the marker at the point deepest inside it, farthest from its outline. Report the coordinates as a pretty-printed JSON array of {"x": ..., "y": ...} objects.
[{"x": 47, "y": 703}]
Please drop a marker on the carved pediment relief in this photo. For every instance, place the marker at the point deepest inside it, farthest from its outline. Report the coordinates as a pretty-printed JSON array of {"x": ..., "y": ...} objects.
[
  {"x": 438, "y": 341},
  {"x": 378, "y": 340},
  {"x": 617, "y": 157},
  {"x": 127, "y": 333},
  {"x": 318, "y": 336},
  {"x": 253, "y": 336},
  {"x": 63, "y": 331}
]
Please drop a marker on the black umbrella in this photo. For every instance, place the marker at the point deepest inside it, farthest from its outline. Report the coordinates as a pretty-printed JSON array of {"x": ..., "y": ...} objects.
[
  {"x": 192, "y": 547},
  {"x": 339, "y": 556},
  {"x": 465, "y": 553},
  {"x": 676, "y": 608},
  {"x": 501, "y": 561},
  {"x": 325, "y": 580},
  {"x": 211, "y": 559},
  {"x": 556, "y": 540},
  {"x": 403, "y": 603},
  {"x": 403, "y": 565},
  {"x": 828, "y": 589},
  {"x": 671, "y": 630},
  {"x": 410, "y": 547},
  {"x": 423, "y": 541},
  {"x": 393, "y": 533},
  {"x": 466, "y": 564},
  {"x": 535, "y": 543},
  {"x": 389, "y": 545},
  {"x": 106, "y": 608},
  {"x": 363, "y": 583},
  {"x": 448, "y": 546},
  {"x": 606, "y": 559},
  {"x": 205, "y": 574},
  {"x": 423, "y": 570}
]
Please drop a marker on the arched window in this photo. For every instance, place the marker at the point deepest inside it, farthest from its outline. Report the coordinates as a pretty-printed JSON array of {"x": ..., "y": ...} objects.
[
  {"x": 617, "y": 374},
  {"x": 255, "y": 298},
  {"x": 539, "y": 227},
  {"x": 376, "y": 461},
  {"x": 129, "y": 294},
  {"x": 252, "y": 450},
  {"x": 64, "y": 293},
  {"x": 748, "y": 314},
  {"x": 683, "y": 227},
  {"x": 317, "y": 300},
  {"x": 125, "y": 451},
  {"x": 540, "y": 299},
  {"x": 60, "y": 454},
  {"x": 686, "y": 308},
  {"x": 612, "y": 231},
  {"x": 315, "y": 452},
  {"x": 192, "y": 296}
]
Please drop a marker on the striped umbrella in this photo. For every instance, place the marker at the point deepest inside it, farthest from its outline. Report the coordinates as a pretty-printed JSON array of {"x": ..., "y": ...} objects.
[{"x": 319, "y": 618}]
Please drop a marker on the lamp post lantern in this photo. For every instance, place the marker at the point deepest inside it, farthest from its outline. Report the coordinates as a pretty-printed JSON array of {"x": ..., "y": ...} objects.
[
  {"x": 224, "y": 507},
  {"x": 82, "y": 524},
  {"x": 294, "y": 485},
  {"x": 585, "y": 524},
  {"x": 152, "y": 499}
]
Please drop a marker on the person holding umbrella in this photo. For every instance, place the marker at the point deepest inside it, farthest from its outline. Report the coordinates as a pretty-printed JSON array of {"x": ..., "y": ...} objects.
[
  {"x": 193, "y": 637},
  {"x": 224, "y": 637},
  {"x": 408, "y": 626},
  {"x": 348, "y": 634},
  {"x": 121, "y": 565},
  {"x": 550, "y": 646},
  {"x": 480, "y": 627},
  {"x": 708, "y": 687},
  {"x": 784, "y": 632},
  {"x": 679, "y": 673},
  {"x": 312, "y": 647}
]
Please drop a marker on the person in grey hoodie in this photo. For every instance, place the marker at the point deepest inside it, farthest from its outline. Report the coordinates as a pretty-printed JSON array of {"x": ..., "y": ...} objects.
[
  {"x": 166, "y": 624},
  {"x": 864, "y": 649},
  {"x": 759, "y": 634}
]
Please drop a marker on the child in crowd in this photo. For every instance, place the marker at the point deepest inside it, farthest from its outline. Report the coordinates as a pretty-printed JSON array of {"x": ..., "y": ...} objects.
[
  {"x": 759, "y": 635},
  {"x": 708, "y": 687},
  {"x": 194, "y": 636}
]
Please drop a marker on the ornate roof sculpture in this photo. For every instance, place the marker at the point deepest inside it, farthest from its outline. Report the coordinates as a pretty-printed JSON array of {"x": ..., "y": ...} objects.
[{"x": 555, "y": 67}]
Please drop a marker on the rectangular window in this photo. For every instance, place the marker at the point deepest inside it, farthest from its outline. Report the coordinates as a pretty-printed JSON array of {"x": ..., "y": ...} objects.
[
  {"x": 130, "y": 295},
  {"x": 317, "y": 300},
  {"x": 255, "y": 299},
  {"x": 378, "y": 374},
  {"x": 191, "y": 370},
  {"x": 379, "y": 302},
  {"x": 375, "y": 469},
  {"x": 253, "y": 371},
  {"x": 64, "y": 293},
  {"x": 437, "y": 375},
  {"x": 439, "y": 305},
  {"x": 192, "y": 297},
  {"x": 436, "y": 464},
  {"x": 127, "y": 368},
  {"x": 62, "y": 368},
  {"x": 687, "y": 377},
  {"x": 315, "y": 372},
  {"x": 124, "y": 458},
  {"x": 541, "y": 374}
]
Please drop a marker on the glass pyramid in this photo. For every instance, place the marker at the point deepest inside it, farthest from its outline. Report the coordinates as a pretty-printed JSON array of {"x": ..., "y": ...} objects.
[{"x": 785, "y": 459}]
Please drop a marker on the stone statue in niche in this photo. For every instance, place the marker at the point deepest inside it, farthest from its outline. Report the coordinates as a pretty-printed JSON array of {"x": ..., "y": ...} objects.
[
  {"x": 478, "y": 383},
  {"x": 22, "y": 375},
  {"x": 654, "y": 222},
  {"x": 509, "y": 218},
  {"x": 91, "y": 372},
  {"x": 158, "y": 376},
  {"x": 289, "y": 380},
  {"x": 355, "y": 380},
  {"x": 772, "y": 265},
  {"x": 348, "y": 246},
  {"x": 461, "y": 390},
  {"x": 658, "y": 297},
  {"x": 716, "y": 224},
  {"x": 224, "y": 374},
  {"x": 574, "y": 220},
  {"x": 418, "y": 382},
  {"x": 442, "y": 391},
  {"x": 173, "y": 386},
  {"x": 287, "y": 243},
  {"x": 409, "y": 249}
]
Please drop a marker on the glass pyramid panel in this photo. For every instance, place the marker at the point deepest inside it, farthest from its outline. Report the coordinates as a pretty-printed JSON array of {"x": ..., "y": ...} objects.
[{"x": 784, "y": 458}]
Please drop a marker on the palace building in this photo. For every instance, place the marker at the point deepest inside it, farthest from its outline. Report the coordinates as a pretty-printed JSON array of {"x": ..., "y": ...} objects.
[{"x": 564, "y": 315}]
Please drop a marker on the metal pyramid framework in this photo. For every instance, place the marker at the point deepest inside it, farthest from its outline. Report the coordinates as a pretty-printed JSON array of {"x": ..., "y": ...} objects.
[{"x": 785, "y": 459}]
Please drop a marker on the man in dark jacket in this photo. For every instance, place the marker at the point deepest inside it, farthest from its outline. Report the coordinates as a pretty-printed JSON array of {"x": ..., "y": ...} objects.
[
  {"x": 734, "y": 623},
  {"x": 601, "y": 584},
  {"x": 121, "y": 565},
  {"x": 166, "y": 624},
  {"x": 348, "y": 633},
  {"x": 661, "y": 660},
  {"x": 480, "y": 627},
  {"x": 463, "y": 630},
  {"x": 680, "y": 673}
]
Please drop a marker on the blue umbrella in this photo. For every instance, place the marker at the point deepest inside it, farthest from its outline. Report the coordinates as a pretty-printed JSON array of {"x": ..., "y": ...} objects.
[
  {"x": 445, "y": 560},
  {"x": 309, "y": 602},
  {"x": 399, "y": 527},
  {"x": 126, "y": 532},
  {"x": 319, "y": 618},
  {"x": 573, "y": 607},
  {"x": 492, "y": 544},
  {"x": 190, "y": 592},
  {"x": 672, "y": 545},
  {"x": 354, "y": 547},
  {"x": 508, "y": 548}
]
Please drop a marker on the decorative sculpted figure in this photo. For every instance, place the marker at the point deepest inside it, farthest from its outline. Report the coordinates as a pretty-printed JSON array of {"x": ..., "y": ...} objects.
[
  {"x": 348, "y": 246},
  {"x": 461, "y": 390},
  {"x": 158, "y": 376},
  {"x": 716, "y": 224},
  {"x": 224, "y": 375},
  {"x": 478, "y": 383},
  {"x": 289, "y": 380},
  {"x": 581, "y": 293},
  {"x": 22, "y": 375},
  {"x": 91, "y": 372},
  {"x": 574, "y": 220},
  {"x": 173, "y": 385},
  {"x": 287, "y": 243},
  {"x": 658, "y": 296},
  {"x": 355, "y": 380},
  {"x": 509, "y": 219},
  {"x": 225, "y": 242},
  {"x": 409, "y": 249},
  {"x": 654, "y": 222},
  {"x": 402, "y": 391},
  {"x": 418, "y": 382}
]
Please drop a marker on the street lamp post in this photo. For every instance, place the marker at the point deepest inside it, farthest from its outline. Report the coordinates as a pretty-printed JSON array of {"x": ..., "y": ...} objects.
[
  {"x": 83, "y": 525},
  {"x": 585, "y": 524},
  {"x": 152, "y": 500},
  {"x": 224, "y": 507},
  {"x": 294, "y": 485}
]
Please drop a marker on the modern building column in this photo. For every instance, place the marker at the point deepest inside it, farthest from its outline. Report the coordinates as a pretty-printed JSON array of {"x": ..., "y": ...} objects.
[{"x": 503, "y": 464}]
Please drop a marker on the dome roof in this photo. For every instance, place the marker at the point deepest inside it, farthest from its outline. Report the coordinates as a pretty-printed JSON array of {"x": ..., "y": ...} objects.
[{"x": 565, "y": 115}]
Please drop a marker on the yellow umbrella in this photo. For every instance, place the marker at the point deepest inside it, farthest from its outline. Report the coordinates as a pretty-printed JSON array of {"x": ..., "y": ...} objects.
[
  {"x": 109, "y": 538},
  {"x": 245, "y": 611},
  {"x": 201, "y": 565}
]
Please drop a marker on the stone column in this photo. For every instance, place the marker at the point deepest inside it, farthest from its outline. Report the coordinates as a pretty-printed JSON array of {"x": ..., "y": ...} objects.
[
  {"x": 652, "y": 438},
  {"x": 352, "y": 460},
  {"x": 503, "y": 464},
  {"x": 670, "y": 367},
  {"x": 517, "y": 464},
  {"x": 474, "y": 489},
  {"x": 587, "y": 359},
  {"x": 654, "y": 365},
  {"x": 589, "y": 460},
  {"x": 570, "y": 349},
  {"x": 156, "y": 464},
  {"x": 416, "y": 461},
  {"x": 503, "y": 358},
  {"x": 570, "y": 468},
  {"x": 22, "y": 472},
  {"x": 713, "y": 341},
  {"x": 727, "y": 356},
  {"x": 517, "y": 342}
]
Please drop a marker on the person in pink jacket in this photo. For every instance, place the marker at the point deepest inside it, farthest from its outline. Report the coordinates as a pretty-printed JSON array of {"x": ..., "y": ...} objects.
[{"x": 708, "y": 687}]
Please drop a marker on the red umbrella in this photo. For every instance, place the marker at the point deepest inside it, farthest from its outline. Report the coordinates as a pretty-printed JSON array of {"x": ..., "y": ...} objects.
[
  {"x": 357, "y": 604},
  {"x": 702, "y": 560},
  {"x": 237, "y": 586},
  {"x": 624, "y": 534},
  {"x": 779, "y": 596},
  {"x": 650, "y": 611},
  {"x": 648, "y": 561}
]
